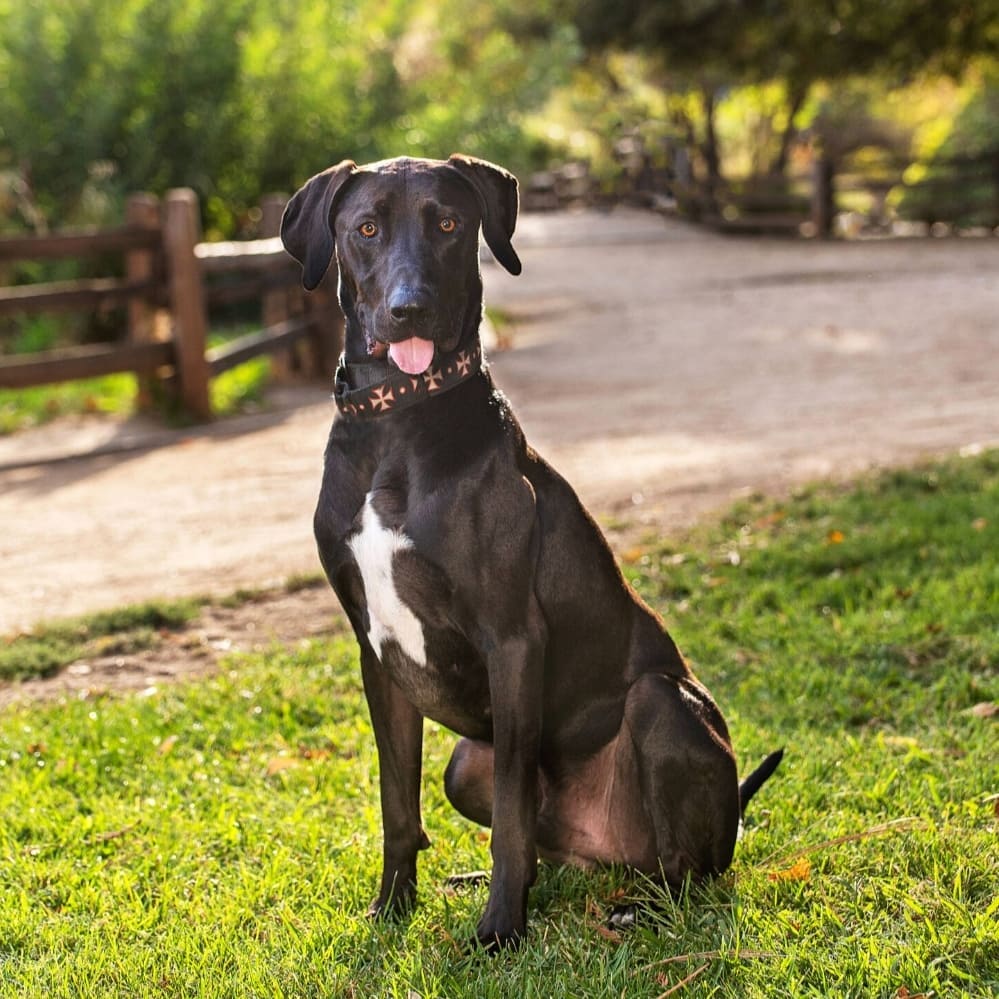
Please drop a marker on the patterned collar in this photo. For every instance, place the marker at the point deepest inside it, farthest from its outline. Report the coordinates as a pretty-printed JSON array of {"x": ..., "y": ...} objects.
[{"x": 398, "y": 390}]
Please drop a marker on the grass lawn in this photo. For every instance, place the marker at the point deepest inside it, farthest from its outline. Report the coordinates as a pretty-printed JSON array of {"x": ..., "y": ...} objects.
[{"x": 223, "y": 838}]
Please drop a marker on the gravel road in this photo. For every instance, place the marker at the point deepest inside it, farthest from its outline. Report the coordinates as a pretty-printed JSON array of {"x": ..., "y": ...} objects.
[{"x": 663, "y": 370}]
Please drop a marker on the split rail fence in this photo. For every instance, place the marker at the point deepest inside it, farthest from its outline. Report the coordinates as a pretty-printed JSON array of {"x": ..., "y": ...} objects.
[{"x": 171, "y": 282}]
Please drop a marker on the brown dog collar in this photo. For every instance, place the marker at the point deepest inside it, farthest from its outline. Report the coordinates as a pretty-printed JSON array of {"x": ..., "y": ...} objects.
[{"x": 399, "y": 390}]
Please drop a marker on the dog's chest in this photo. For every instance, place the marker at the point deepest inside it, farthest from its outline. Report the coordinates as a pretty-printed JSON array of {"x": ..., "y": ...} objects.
[
  {"x": 407, "y": 614},
  {"x": 390, "y": 618}
]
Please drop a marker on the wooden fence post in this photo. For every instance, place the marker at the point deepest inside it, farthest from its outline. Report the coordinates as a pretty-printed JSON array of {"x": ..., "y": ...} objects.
[
  {"x": 323, "y": 310},
  {"x": 823, "y": 196},
  {"x": 142, "y": 211},
  {"x": 181, "y": 233},
  {"x": 274, "y": 304}
]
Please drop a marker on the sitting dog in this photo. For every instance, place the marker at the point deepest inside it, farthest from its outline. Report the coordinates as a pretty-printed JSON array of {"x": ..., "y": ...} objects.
[{"x": 482, "y": 593}]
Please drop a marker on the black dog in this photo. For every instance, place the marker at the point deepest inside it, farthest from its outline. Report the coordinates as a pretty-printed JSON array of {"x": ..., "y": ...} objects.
[{"x": 482, "y": 593}]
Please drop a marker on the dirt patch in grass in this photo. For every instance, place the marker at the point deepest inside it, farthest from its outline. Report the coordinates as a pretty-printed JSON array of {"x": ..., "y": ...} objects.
[{"x": 247, "y": 622}]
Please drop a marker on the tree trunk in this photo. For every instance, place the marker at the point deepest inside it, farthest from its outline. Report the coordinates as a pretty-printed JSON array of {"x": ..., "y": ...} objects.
[
  {"x": 709, "y": 149},
  {"x": 796, "y": 99}
]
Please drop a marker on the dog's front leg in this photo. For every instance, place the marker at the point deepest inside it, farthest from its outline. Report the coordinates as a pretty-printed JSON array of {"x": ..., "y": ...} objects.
[
  {"x": 398, "y": 730},
  {"x": 515, "y": 683}
]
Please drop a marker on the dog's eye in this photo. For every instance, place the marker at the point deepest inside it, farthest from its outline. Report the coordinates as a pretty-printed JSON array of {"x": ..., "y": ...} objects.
[
  {"x": 368, "y": 229},
  {"x": 447, "y": 225}
]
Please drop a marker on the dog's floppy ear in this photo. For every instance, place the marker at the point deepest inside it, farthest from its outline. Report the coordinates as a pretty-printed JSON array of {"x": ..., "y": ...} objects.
[
  {"x": 496, "y": 190},
  {"x": 307, "y": 223}
]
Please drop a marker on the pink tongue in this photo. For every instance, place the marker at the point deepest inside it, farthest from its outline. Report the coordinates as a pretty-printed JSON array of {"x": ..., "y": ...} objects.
[{"x": 413, "y": 355}]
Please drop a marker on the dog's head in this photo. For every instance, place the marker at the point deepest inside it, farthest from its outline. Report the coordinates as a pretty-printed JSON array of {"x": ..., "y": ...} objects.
[{"x": 405, "y": 233}]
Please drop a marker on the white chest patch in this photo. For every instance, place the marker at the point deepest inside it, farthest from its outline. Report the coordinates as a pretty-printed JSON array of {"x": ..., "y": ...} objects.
[{"x": 389, "y": 618}]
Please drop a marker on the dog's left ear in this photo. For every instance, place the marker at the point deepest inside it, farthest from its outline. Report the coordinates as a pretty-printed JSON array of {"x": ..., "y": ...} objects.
[
  {"x": 307, "y": 223},
  {"x": 496, "y": 190}
]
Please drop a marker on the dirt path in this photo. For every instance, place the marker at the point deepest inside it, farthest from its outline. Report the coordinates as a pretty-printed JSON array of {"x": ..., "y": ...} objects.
[{"x": 663, "y": 370}]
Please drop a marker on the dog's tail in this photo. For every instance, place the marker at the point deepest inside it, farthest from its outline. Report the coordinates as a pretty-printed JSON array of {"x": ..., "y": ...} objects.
[{"x": 757, "y": 778}]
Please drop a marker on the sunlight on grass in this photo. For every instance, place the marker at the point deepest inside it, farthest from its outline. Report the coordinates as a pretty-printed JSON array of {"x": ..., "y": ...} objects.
[
  {"x": 24, "y": 408},
  {"x": 223, "y": 838}
]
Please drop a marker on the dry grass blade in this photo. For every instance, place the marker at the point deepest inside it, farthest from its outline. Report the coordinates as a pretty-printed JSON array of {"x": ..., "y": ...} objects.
[
  {"x": 709, "y": 955},
  {"x": 895, "y": 825},
  {"x": 683, "y": 981}
]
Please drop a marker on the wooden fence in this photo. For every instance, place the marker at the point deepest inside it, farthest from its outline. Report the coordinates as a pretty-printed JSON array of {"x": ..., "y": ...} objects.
[
  {"x": 171, "y": 282},
  {"x": 833, "y": 197}
]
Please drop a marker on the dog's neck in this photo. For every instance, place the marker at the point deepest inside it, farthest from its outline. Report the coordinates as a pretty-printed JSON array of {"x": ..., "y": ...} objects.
[{"x": 374, "y": 388}]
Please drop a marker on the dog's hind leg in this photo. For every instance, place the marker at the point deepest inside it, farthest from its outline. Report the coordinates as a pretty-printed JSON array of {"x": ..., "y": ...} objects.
[
  {"x": 468, "y": 780},
  {"x": 687, "y": 776}
]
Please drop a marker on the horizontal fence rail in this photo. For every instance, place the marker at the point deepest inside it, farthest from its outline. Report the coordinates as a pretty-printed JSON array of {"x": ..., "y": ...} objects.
[
  {"x": 71, "y": 296},
  {"x": 78, "y": 243},
  {"x": 172, "y": 279},
  {"x": 73, "y": 363}
]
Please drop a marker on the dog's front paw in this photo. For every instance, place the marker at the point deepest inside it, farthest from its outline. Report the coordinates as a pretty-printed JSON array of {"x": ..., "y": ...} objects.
[
  {"x": 492, "y": 941},
  {"x": 501, "y": 930},
  {"x": 394, "y": 904}
]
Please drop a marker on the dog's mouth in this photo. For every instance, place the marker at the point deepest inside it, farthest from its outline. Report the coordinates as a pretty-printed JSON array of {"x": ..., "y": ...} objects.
[
  {"x": 376, "y": 348},
  {"x": 413, "y": 355}
]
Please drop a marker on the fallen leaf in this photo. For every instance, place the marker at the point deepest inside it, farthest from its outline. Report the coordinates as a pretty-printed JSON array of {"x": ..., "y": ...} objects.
[
  {"x": 979, "y": 523},
  {"x": 985, "y": 709},
  {"x": 770, "y": 519},
  {"x": 904, "y": 993},
  {"x": 799, "y": 871},
  {"x": 835, "y": 537},
  {"x": 166, "y": 746},
  {"x": 279, "y": 764},
  {"x": 632, "y": 555},
  {"x": 608, "y": 934}
]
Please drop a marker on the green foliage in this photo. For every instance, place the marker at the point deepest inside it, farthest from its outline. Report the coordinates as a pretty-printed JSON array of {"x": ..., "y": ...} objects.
[
  {"x": 957, "y": 175},
  {"x": 243, "y": 97},
  {"x": 223, "y": 838}
]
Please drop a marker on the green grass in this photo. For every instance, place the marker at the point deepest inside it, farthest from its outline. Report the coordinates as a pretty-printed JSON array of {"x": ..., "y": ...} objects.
[
  {"x": 31, "y": 407},
  {"x": 223, "y": 838}
]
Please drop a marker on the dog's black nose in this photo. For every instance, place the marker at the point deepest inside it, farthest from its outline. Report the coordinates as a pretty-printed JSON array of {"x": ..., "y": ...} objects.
[{"x": 408, "y": 305}]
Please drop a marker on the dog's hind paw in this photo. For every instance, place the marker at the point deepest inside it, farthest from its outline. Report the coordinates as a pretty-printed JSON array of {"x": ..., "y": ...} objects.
[
  {"x": 623, "y": 917},
  {"x": 469, "y": 880}
]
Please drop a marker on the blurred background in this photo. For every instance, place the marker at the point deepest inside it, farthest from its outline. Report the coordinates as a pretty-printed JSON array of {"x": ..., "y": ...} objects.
[{"x": 584, "y": 99}]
